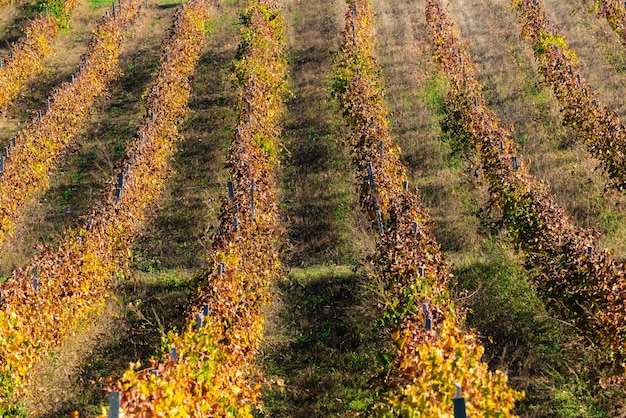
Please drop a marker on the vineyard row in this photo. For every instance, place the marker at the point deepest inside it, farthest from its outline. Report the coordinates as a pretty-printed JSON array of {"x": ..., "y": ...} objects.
[
  {"x": 25, "y": 57},
  {"x": 33, "y": 152},
  {"x": 598, "y": 126},
  {"x": 62, "y": 288},
  {"x": 582, "y": 284},
  {"x": 208, "y": 370},
  {"x": 436, "y": 357}
]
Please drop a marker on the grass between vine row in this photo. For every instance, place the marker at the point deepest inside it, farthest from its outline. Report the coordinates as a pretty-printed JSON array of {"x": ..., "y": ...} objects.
[{"x": 320, "y": 337}]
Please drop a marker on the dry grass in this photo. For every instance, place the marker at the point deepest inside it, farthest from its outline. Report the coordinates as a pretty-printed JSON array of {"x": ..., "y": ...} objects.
[
  {"x": 594, "y": 41},
  {"x": 320, "y": 336},
  {"x": 7, "y": 20},
  {"x": 12, "y": 17},
  {"x": 324, "y": 223},
  {"x": 87, "y": 165},
  {"x": 128, "y": 329}
]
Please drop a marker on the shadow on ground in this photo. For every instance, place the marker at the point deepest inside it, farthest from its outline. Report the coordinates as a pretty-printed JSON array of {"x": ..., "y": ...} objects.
[
  {"x": 327, "y": 348},
  {"x": 143, "y": 312}
]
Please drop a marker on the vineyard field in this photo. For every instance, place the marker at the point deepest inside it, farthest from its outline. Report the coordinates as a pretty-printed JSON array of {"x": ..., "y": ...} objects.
[{"x": 279, "y": 208}]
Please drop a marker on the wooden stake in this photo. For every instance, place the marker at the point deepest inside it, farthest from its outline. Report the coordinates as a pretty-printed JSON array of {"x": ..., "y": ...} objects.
[
  {"x": 460, "y": 410},
  {"x": 252, "y": 199},
  {"x": 114, "y": 405},
  {"x": 120, "y": 186},
  {"x": 231, "y": 191},
  {"x": 370, "y": 173}
]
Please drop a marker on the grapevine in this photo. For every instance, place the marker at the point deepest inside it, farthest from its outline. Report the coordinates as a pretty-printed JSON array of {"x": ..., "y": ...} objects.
[
  {"x": 25, "y": 57},
  {"x": 32, "y": 153},
  {"x": 61, "y": 288},
  {"x": 582, "y": 284},
  {"x": 615, "y": 13},
  {"x": 4, "y": 3},
  {"x": 598, "y": 126},
  {"x": 428, "y": 363},
  {"x": 211, "y": 372}
]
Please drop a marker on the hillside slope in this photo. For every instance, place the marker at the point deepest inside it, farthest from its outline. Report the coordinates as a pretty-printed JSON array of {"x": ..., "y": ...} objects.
[{"x": 322, "y": 335}]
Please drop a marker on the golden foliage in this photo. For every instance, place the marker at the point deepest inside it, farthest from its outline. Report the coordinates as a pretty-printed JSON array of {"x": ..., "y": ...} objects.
[
  {"x": 62, "y": 288},
  {"x": 582, "y": 284},
  {"x": 38, "y": 145},
  {"x": 408, "y": 259},
  {"x": 214, "y": 374},
  {"x": 25, "y": 57}
]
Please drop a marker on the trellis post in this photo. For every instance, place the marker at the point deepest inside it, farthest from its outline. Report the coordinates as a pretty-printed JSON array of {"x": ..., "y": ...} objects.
[
  {"x": 460, "y": 410},
  {"x": 114, "y": 405},
  {"x": 252, "y": 187},
  {"x": 370, "y": 173}
]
